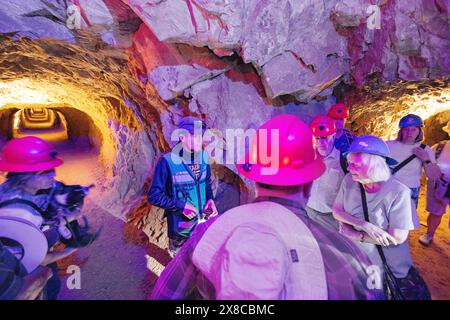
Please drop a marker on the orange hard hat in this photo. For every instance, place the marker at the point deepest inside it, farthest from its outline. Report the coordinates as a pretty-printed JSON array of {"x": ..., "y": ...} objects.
[
  {"x": 323, "y": 126},
  {"x": 338, "y": 111}
]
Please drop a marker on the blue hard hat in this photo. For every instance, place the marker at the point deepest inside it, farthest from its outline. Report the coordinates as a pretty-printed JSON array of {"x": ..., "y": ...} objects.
[
  {"x": 411, "y": 120},
  {"x": 190, "y": 123},
  {"x": 371, "y": 145}
]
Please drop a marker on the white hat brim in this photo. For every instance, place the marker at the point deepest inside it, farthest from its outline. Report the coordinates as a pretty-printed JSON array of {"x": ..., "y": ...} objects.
[
  {"x": 29, "y": 236},
  {"x": 306, "y": 278}
]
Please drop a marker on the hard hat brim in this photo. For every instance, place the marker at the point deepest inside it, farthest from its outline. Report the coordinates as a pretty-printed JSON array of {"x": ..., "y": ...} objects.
[
  {"x": 29, "y": 236},
  {"x": 6, "y": 166},
  {"x": 284, "y": 176},
  {"x": 390, "y": 161}
]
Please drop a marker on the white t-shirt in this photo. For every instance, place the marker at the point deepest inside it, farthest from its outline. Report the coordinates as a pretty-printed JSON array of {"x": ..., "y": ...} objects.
[
  {"x": 390, "y": 207},
  {"x": 444, "y": 159},
  {"x": 326, "y": 187},
  {"x": 411, "y": 173}
]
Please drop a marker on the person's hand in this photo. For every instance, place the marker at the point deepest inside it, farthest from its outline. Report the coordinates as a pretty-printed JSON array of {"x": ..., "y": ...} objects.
[
  {"x": 62, "y": 198},
  {"x": 189, "y": 211},
  {"x": 74, "y": 215},
  {"x": 54, "y": 256},
  {"x": 34, "y": 283},
  {"x": 382, "y": 237},
  {"x": 210, "y": 209},
  {"x": 421, "y": 154}
]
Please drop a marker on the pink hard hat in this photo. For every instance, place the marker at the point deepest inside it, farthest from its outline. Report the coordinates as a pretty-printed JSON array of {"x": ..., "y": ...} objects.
[
  {"x": 296, "y": 162},
  {"x": 323, "y": 126},
  {"x": 28, "y": 154}
]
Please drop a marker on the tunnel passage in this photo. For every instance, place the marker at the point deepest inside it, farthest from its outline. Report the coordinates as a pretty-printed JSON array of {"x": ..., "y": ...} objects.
[
  {"x": 61, "y": 126},
  {"x": 377, "y": 107},
  {"x": 44, "y": 123},
  {"x": 85, "y": 94}
]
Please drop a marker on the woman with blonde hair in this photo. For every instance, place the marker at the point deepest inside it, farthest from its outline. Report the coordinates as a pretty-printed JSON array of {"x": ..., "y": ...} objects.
[{"x": 374, "y": 209}]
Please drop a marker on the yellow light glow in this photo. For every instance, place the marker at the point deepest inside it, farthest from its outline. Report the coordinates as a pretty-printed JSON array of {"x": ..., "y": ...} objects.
[
  {"x": 23, "y": 91},
  {"x": 425, "y": 106},
  {"x": 30, "y": 93}
]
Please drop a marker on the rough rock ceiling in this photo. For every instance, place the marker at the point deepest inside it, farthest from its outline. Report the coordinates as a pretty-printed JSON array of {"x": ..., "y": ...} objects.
[
  {"x": 57, "y": 74},
  {"x": 378, "y": 106}
]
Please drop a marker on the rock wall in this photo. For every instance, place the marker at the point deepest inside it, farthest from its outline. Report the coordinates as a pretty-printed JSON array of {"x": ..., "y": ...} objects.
[
  {"x": 377, "y": 107},
  {"x": 234, "y": 63},
  {"x": 303, "y": 47},
  {"x": 56, "y": 74}
]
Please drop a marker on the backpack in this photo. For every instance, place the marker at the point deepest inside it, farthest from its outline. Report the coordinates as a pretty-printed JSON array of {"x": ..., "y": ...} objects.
[{"x": 441, "y": 186}]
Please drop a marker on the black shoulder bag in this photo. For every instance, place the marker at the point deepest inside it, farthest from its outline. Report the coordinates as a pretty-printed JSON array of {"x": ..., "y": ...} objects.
[{"x": 412, "y": 287}]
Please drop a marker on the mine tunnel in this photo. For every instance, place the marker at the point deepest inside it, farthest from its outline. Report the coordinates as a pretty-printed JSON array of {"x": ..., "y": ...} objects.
[
  {"x": 73, "y": 133},
  {"x": 89, "y": 123},
  {"x": 95, "y": 123},
  {"x": 107, "y": 90}
]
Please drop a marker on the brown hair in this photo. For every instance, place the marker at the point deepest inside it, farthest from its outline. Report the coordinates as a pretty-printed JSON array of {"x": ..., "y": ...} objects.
[{"x": 418, "y": 139}]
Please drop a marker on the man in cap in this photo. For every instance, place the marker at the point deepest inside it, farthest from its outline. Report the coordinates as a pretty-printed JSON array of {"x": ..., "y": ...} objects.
[
  {"x": 182, "y": 184},
  {"x": 325, "y": 188},
  {"x": 270, "y": 249}
]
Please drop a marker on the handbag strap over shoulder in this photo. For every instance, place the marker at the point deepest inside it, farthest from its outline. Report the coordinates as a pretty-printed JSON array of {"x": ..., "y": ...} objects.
[
  {"x": 366, "y": 217},
  {"x": 406, "y": 161}
]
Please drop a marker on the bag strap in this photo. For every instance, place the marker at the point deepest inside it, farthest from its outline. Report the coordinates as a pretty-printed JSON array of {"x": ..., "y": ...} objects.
[
  {"x": 366, "y": 217},
  {"x": 406, "y": 161},
  {"x": 22, "y": 201},
  {"x": 439, "y": 149},
  {"x": 380, "y": 250},
  {"x": 343, "y": 163}
]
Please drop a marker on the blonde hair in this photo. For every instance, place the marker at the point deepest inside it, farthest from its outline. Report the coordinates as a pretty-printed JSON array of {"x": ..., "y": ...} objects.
[
  {"x": 418, "y": 139},
  {"x": 377, "y": 168}
]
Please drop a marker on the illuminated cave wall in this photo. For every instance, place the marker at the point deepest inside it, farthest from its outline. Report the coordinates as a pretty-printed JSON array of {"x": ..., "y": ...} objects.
[
  {"x": 65, "y": 77},
  {"x": 136, "y": 67},
  {"x": 378, "y": 106}
]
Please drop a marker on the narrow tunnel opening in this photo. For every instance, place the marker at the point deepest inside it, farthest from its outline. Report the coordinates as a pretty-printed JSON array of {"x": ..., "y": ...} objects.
[
  {"x": 93, "y": 93},
  {"x": 73, "y": 133}
]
